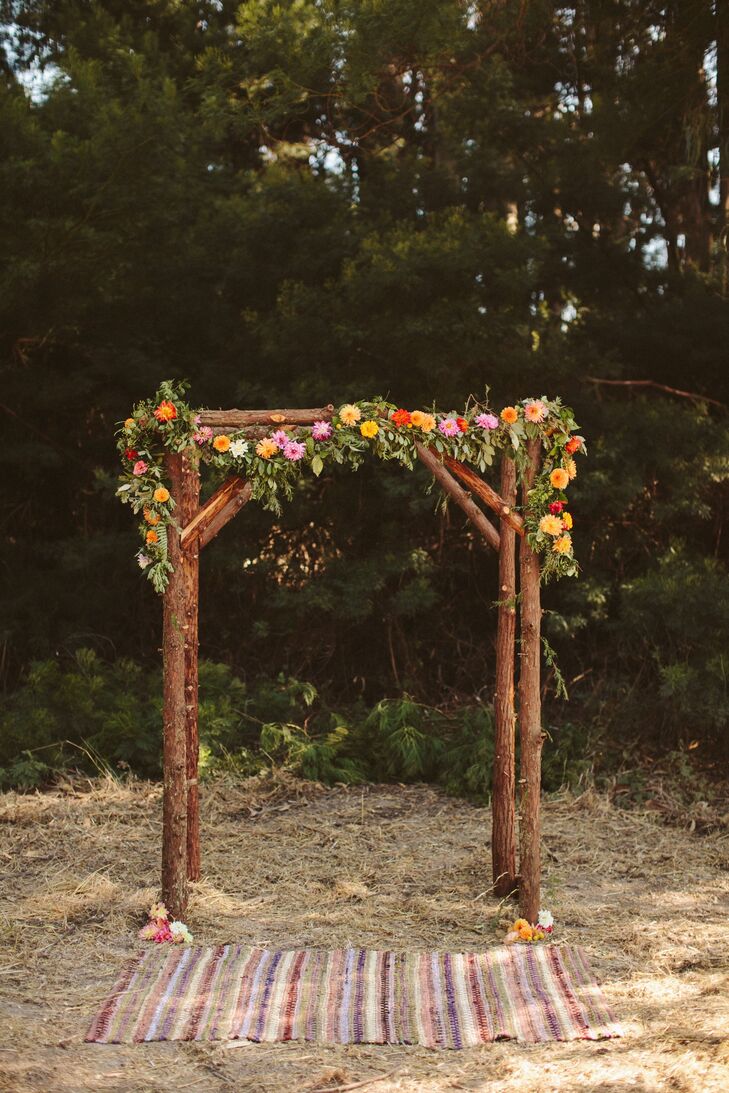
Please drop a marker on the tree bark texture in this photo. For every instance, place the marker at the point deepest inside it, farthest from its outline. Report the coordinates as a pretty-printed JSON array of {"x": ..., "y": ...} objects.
[
  {"x": 530, "y": 715},
  {"x": 503, "y": 827},
  {"x": 219, "y": 508},
  {"x": 239, "y": 419},
  {"x": 190, "y": 563},
  {"x": 487, "y": 494},
  {"x": 174, "y": 806}
]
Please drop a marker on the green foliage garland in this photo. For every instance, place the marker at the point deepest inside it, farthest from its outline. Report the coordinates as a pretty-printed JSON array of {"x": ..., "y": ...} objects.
[{"x": 273, "y": 463}]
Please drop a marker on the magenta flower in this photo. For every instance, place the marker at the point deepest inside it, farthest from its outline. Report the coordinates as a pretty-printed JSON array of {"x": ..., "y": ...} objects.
[
  {"x": 487, "y": 421},
  {"x": 280, "y": 438},
  {"x": 294, "y": 450},
  {"x": 448, "y": 426},
  {"x": 321, "y": 430},
  {"x": 203, "y": 435},
  {"x": 196, "y": 419},
  {"x": 140, "y": 467}
]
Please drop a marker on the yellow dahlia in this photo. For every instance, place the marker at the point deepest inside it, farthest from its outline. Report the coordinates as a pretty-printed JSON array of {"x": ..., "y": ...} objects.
[
  {"x": 369, "y": 428},
  {"x": 571, "y": 467},
  {"x": 161, "y": 495},
  {"x": 563, "y": 545},
  {"x": 266, "y": 447},
  {"x": 349, "y": 414},
  {"x": 550, "y": 525},
  {"x": 566, "y": 520}
]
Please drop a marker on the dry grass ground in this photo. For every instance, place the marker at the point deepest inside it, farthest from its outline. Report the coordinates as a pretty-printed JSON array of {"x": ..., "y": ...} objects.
[{"x": 292, "y": 864}]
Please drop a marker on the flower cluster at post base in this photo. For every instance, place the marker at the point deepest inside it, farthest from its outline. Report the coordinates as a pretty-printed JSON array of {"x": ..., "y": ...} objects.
[
  {"x": 161, "y": 929},
  {"x": 523, "y": 931},
  {"x": 273, "y": 463}
]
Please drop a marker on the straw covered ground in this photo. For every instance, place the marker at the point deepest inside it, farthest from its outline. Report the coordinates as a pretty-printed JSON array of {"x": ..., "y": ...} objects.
[{"x": 291, "y": 864}]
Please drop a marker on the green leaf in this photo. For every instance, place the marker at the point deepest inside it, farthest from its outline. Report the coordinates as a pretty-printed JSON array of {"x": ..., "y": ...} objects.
[{"x": 317, "y": 465}]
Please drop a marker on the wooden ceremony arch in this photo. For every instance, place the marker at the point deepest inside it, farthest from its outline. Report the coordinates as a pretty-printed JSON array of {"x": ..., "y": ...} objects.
[{"x": 198, "y": 524}]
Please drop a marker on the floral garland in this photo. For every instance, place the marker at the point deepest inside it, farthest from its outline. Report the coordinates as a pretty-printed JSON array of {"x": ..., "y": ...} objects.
[{"x": 272, "y": 464}]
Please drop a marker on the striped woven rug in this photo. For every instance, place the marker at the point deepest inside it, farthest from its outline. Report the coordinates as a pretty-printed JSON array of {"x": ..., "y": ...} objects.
[{"x": 353, "y": 996}]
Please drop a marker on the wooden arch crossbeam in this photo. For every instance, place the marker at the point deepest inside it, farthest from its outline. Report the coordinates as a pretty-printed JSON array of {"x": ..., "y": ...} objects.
[{"x": 199, "y": 524}]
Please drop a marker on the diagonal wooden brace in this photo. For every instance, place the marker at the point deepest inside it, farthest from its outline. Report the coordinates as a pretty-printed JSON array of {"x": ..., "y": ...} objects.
[
  {"x": 463, "y": 499},
  {"x": 212, "y": 517},
  {"x": 486, "y": 493}
]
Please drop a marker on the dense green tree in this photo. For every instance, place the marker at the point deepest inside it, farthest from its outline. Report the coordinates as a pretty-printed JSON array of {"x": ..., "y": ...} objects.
[{"x": 318, "y": 200}]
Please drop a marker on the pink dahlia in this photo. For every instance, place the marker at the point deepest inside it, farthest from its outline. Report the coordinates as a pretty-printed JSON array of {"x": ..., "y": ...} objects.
[
  {"x": 294, "y": 450},
  {"x": 140, "y": 467},
  {"x": 487, "y": 421},
  {"x": 535, "y": 411},
  {"x": 448, "y": 426},
  {"x": 203, "y": 435},
  {"x": 280, "y": 438},
  {"x": 321, "y": 430}
]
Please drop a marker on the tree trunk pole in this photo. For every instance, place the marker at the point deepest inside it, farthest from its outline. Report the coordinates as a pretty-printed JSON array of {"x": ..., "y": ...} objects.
[
  {"x": 530, "y": 715},
  {"x": 503, "y": 825},
  {"x": 186, "y": 510},
  {"x": 174, "y": 807}
]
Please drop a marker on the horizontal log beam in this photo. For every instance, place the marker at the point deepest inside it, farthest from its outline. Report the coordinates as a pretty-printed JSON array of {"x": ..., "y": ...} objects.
[
  {"x": 216, "y": 512},
  {"x": 463, "y": 499},
  {"x": 239, "y": 419},
  {"x": 488, "y": 495}
]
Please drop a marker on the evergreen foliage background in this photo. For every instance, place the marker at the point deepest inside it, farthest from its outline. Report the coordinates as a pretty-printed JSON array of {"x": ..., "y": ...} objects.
[{"x": 292, "y": 204}]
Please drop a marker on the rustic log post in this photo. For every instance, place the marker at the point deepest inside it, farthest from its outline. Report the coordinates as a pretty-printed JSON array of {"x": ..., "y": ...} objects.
[
  {"x": 187, "y": 507},
  {"x": 503, "y": 825},
  {"x": 530, "y": 714},
  {"x": 174, "y": 807}
]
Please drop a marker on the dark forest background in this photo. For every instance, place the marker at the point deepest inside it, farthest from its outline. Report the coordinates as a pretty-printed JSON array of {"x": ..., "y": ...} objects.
[{"x": 292, "y": 204}]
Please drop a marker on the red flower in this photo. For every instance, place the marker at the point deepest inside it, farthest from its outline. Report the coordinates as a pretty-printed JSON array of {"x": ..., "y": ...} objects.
[
  {"x": 166, "y": 411},
  {"x": 401, "y": 417},
  {"x": 131, "y": 454},
  {"x": 556, "y": 507},
  {"x": 573, "y": 445},
  {"x": 462, "y": 424}
]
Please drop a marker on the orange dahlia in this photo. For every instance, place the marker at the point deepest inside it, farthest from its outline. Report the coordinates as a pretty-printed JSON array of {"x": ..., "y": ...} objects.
[
  {"x": 559, "y": 478},
  {"x": 166, "y": 411},
  {"x": 550, "y": 524},
  {"x": 509, "y": 414}
]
